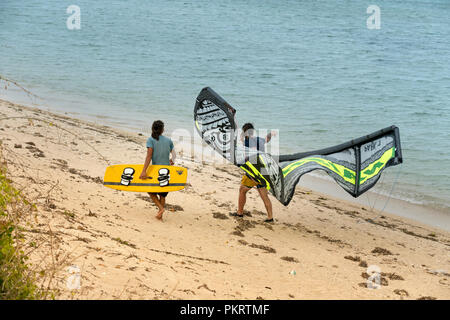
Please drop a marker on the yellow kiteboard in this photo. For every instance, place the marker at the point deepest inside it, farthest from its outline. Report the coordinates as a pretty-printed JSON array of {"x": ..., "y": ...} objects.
[{"x": 160, "y": 178}]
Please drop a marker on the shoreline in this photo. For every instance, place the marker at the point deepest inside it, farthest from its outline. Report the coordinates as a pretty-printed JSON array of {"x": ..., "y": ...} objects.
[
  {"x": 198, "y": 251},
  {"x": 422, "y": 212},
  {"x": 426, "y": 214},
  {"x": 394, "y": 206}
]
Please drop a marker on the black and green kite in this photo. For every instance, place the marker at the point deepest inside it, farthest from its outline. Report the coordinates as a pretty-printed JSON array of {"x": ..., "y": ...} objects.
[{"x": 355, "y": 165}]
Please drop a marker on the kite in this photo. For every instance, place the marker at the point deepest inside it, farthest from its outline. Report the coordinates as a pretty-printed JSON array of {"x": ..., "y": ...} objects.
[{"x": 355, "y": 165}]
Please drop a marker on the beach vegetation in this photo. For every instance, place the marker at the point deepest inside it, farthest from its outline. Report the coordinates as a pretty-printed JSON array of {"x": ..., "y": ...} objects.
[{"x": 17, "y": 280}]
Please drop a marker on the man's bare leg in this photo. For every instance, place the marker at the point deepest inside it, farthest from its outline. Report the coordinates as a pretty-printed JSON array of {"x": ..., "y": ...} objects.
[
  {"x": 157, "y": 201},
  {"x": 267, "y": 203},
  {"x": 242, "y": 199}
]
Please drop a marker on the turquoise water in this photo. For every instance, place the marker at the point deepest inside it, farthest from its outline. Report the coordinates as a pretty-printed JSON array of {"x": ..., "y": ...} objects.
[{"x": 309, "y": 68}]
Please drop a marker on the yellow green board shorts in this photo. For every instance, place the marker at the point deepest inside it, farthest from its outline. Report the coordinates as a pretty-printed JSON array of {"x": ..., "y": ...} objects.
[{"x": 249, "y": 183}]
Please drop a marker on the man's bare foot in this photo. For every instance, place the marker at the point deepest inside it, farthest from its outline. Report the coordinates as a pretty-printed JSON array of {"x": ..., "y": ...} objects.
[{"x": 160, "y": 214}]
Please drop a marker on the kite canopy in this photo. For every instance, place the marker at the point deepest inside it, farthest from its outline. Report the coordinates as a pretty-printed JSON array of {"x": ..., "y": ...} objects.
[{"x": 355, "y": 165}]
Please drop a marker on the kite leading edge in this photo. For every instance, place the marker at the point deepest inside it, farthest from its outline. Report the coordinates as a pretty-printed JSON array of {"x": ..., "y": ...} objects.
[{"x": 355, "y": 165}]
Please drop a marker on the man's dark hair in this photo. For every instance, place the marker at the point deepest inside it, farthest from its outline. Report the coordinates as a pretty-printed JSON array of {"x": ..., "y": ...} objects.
[
  {"x": 157, "y": 129},
  {"x": 247, "y": 127}
]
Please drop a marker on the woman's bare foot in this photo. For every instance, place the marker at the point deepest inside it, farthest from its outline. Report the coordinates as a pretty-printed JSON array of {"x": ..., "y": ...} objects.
[{"x": 160, "y": 214}]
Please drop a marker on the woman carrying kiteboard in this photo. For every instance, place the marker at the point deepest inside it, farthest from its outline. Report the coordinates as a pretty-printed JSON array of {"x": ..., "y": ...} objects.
[{"x": 159, "y": 149}]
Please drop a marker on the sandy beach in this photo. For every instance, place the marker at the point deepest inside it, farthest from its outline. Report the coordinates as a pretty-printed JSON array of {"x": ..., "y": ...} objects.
[{"x": 319, "y": 247}]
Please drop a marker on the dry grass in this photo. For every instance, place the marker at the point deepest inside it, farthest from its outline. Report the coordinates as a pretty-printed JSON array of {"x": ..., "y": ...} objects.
[{"x": 19, "y": 240}]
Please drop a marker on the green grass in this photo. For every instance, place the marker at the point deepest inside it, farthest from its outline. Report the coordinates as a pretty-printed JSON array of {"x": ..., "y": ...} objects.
[
  {"x": 124, "y": 242},
  {"x": 17, "y": 281}
]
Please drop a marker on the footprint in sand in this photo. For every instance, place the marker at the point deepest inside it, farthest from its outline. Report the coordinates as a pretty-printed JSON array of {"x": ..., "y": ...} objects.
[
  {"x": 401, "y": 292},
  {"x": 221, "y": 216},
  {"x": 289, "y": 259},
  {"x": 426, "y": 298},
  {"x": 381, "y": 251},
  {"x": 206, "y": 287}
]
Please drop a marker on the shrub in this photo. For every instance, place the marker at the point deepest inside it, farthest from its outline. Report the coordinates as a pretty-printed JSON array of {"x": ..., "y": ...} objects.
[{"x": 17, "y": 281}]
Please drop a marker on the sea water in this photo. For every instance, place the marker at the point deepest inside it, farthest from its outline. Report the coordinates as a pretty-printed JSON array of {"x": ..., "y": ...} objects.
[{"x": 322, "y": 72}]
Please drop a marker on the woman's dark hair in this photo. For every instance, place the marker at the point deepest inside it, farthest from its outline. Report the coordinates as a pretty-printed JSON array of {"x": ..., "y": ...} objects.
[
  {"x": 247, "y": 127},
  {"x": 157, "y": 129}
]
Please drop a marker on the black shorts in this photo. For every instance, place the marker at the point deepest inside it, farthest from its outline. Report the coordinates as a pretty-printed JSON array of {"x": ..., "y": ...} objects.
[{"x": 161, "y": 194}]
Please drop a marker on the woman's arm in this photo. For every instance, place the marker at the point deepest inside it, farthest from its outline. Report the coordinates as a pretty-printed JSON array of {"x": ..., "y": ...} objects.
[
  {"x": 174, "y": 157},
  {"x": 270, "y": 135},
  {"x": 148, "y": 159}
]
